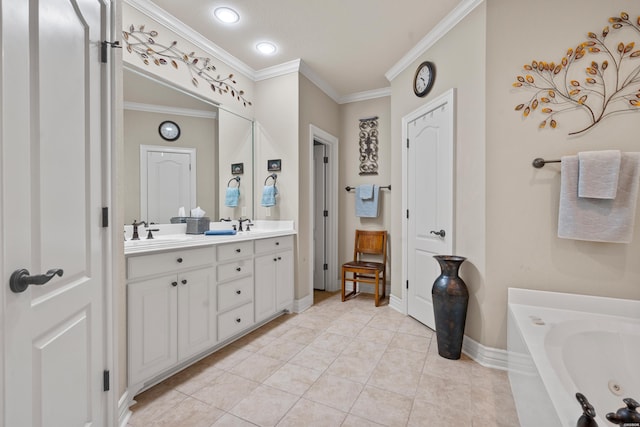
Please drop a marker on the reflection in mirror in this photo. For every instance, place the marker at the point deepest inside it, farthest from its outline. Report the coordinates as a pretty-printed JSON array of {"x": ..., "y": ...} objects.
[{"x": 216, "y": 138}]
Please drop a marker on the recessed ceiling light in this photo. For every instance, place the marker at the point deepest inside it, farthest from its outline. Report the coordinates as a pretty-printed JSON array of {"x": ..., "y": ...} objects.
[
  {"x": 266, "y": 48},
  {"x": 226, "y": 15}
]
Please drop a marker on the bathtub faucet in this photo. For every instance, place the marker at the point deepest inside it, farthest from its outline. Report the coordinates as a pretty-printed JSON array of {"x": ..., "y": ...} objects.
[
  {"x": 627, "y": 416},
  {"x": 588, "y": 413}
]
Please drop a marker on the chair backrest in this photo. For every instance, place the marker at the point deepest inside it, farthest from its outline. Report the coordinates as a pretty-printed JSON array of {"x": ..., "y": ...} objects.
[{"x": 370, "y": 243}]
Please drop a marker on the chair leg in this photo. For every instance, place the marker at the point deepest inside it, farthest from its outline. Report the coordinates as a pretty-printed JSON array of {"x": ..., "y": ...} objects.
[
  {"x": 344, "y": 273},
  {"x": 377, "y": 296}
]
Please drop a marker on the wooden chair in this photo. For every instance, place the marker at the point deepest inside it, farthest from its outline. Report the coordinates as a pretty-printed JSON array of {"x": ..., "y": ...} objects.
[{"x": 363, "y": 268}]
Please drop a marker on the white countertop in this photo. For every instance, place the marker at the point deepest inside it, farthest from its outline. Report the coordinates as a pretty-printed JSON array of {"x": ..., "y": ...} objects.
[{"x": 173, "y": 236}]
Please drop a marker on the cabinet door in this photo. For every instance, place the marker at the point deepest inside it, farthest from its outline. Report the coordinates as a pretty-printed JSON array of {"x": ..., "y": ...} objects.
[
  {"x": 284, "y": 280},
  {"x": 265, "y": 286},
  {"x": 196, "y": 312},
  {"x": 152, "y": 320}
]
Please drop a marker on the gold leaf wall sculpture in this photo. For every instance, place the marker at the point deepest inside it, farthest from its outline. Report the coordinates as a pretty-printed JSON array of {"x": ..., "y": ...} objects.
[
  {"x": 598, "y": 77},
  {"x": 150, "y": 51}
]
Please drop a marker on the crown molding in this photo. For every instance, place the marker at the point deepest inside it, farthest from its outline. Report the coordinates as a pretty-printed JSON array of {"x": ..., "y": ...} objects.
[
  {"x": 163, "y": 109},
  {"x": 366, "y": 95},
  {"x": 183, "y": 30},
  {"x": 306, "y": 71},
  {"x": 451, "y": 20},
  {"x": 278, "y": 70}
]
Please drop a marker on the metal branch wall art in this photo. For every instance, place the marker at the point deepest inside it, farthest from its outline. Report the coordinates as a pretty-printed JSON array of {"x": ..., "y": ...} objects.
[
  {"x": 607, "y": 84},
  {"x": 369, "y": 146},
  {"x": 144, "y": 45}
]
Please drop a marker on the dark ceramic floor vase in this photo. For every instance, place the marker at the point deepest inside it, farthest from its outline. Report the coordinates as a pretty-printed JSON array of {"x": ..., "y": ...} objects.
[{"x": 450, "y": 300}]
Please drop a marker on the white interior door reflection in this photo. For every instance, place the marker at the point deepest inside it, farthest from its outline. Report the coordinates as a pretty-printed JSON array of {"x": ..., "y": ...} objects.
[{"x": 167, "y": 182}]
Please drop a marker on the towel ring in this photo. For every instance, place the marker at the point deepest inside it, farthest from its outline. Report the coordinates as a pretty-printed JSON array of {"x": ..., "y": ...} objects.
[
  {"x": 272, "y": 176},
  {"x": 235, "y": 178}
]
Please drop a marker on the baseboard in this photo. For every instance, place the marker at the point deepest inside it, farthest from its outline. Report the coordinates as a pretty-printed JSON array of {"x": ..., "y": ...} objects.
[
  {"x": 488, "y": 357},
  {"x": 396, "y": 304},
  {"x": 124, "y": 413},
  {"x": 302, "y": 304}
]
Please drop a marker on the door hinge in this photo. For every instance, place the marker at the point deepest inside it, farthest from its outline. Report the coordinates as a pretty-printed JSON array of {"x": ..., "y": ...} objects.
[
  {"x": 104, "y": 56},
  {"x": 325, "y": 267},
  {"x": 326, "y": 159},
  {"x": 325, "y": 213},
  {"x": 105, "y": 381},
  {"x": 407, "y": 284},
  {"x": 407, "y": 142},
  {"x": 105, "y": 217},
  {"x": 407, "y": 213}
]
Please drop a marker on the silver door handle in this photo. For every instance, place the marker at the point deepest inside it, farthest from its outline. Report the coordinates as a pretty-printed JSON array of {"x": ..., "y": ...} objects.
[
  {"x": 20, "y": 279},
  {"x": 440, "y": 233}
]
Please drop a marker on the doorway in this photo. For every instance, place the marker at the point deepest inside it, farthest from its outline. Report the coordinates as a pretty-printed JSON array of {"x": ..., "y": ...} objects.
[
  {"x": 428, "y": 163},
  {"x": 324, "y": 210}
]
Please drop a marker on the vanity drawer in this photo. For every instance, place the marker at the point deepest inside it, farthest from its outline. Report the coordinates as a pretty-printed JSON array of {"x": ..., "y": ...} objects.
[
  {"x": 230, "y": 251},
  {"x": 233, "y": 294},
  {"x": 273, "y": 244},
  {"x": 147, "y": 265},
  {"x": 234, "y": 321},
  {"x": 235, "y": 269}
]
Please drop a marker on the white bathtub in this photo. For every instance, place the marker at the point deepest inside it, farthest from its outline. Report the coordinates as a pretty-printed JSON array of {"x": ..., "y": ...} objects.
[{"x": 559, "y": 344}]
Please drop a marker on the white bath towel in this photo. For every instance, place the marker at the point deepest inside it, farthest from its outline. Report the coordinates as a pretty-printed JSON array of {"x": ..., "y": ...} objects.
[
  {"x": 599, "y": 220},
  {"x": 598, "y": 174}
]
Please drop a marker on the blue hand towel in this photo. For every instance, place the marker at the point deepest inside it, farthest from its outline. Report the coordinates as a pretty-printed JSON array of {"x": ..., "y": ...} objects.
[
  {"x": 228, "y": 232},
  {"x": 231, "y": 197},
  {"x": 269, "y": 195},
  {"x": 365, "y": 191},
  {"x": 367, "y": 208}
]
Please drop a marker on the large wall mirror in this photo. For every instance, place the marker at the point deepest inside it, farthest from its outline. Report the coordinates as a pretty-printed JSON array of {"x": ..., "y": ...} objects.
[{"x": 213, "y": 151}]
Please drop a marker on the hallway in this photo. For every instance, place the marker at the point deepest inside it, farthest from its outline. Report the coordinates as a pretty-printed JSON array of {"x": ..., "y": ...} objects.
[{"x": 336, "y": 364}]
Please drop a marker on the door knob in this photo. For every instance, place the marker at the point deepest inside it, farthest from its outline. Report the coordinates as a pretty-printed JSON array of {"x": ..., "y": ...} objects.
[
  {"x": 20, "y": 279},
  {"x": 440, "y": 233}
]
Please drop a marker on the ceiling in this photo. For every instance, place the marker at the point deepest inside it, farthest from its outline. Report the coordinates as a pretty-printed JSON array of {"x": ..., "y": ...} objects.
[{"x": 348, "y": 44}]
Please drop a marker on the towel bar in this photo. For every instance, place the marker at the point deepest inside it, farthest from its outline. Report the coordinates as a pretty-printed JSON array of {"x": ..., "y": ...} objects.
[
  {"x": 349, "y": 188},
  {"x": 540, "y": 162}
]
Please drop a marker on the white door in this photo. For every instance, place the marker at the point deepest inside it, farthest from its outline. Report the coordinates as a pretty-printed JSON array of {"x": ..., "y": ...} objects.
[
  {"x": 429, "y": 185},
  {"x": 52, "y": 353},
  {"x": 167, "y": 182},
  {"x": 319, "y": 219}
]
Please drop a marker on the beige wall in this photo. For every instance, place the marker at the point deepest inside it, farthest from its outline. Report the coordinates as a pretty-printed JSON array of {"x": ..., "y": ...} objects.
[
  {"x": 317, "y": 109},
  {"x": 459, "y": 58},
  {"x": 350, "y": 115},
  {"x": 522, "y": 202},
  {"x": 141, "y": 128}
]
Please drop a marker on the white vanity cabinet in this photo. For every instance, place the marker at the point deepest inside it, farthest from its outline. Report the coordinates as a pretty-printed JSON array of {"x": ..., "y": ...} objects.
[
  {"x": 274, "y": 276},
  {"x": 235, "y": 288},
  {"x": 171, "y": 308}
]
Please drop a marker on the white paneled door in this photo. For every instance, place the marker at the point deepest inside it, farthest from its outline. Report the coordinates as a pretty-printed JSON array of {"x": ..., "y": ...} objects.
[
  {"x": 429, "y": 198},
  {"x": 52, "y": 142}
]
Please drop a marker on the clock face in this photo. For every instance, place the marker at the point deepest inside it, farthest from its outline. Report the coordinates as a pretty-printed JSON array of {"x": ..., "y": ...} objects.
[
  {"x": 169, "y": 130},
  {"x": 423, "y": 80}
]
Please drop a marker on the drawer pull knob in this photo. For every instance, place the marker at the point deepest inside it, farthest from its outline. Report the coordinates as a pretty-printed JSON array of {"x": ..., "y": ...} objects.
[
  {"x": 238, "y": 250},
  {"x": 277, "y": 243},
  {"x": 238, "y": 320},
  {"x": 184, "y": 281},
  {"x": 174, "y": 283},
  {"x": 238, "y": 292},
  {"x": 275, "y": 259},
  {"x": 179, "y": 260},
  {"x": 279, "y": 258},
  {"x": 238, "y": 269}
]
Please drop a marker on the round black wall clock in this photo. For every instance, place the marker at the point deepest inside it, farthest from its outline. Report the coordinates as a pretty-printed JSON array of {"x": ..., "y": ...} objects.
[
  {"x": 424, "y": 78},
  {"x": 169, "y": 130}
]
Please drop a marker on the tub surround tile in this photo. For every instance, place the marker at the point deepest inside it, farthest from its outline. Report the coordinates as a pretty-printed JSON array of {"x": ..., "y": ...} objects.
[{"x": 298, "y": 371}]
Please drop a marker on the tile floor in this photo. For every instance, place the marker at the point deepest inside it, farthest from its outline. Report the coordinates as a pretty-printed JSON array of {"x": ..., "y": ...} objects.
[{"x": 337, "y": 364}]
